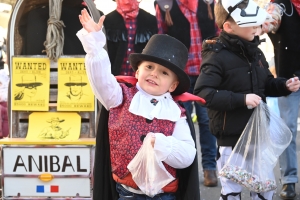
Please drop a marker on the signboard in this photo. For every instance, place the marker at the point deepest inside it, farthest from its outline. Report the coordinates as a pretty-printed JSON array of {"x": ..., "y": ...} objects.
[
  {"x": 74, "y": 90},
  {"x": 30, "y": 83},
  {"x": 69, "y": 166}
]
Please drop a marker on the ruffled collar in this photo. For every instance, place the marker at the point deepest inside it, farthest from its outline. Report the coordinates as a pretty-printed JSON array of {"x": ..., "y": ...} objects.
[{"x": 150, "y": 107}]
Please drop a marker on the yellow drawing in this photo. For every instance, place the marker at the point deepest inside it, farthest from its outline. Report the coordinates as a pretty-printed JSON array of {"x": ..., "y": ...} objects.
[
  {"x": 28, "y": 88},
  {"x": 54, "y": 131},
  {"x": 74, "y": 90},
  {"x": 54, "y": 126},
  {"x": 30, "y": 83},
  {"x": 75, "y": 85}
]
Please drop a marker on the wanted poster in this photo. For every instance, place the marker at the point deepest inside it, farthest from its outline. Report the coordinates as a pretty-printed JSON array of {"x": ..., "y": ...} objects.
[
  {"x": 30, "y": 83},
  {"x": 74, "y": 90}
]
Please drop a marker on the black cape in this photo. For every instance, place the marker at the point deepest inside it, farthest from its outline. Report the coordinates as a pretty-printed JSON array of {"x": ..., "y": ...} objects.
[{"x": 104, "y": 187}]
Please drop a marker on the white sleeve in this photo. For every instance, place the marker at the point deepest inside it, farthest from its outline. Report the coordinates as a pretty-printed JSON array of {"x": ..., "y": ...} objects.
[
  {"x": 98, "y": 69},
  {"x": 177, "y": 150}
]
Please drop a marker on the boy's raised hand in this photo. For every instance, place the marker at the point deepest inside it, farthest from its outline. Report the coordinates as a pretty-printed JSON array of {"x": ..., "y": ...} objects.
[
  {"x": 293, "y": 84},
  {"x": 88, "y": 23}
]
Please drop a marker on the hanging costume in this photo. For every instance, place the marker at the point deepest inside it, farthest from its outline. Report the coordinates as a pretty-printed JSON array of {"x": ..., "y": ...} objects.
[
  {"x": 181, "y": 26},
  {"x": 117, "y": 36}
]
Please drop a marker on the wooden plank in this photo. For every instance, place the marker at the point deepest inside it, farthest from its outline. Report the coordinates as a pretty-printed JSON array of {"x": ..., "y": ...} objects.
[{"x": 22, "y": 141}]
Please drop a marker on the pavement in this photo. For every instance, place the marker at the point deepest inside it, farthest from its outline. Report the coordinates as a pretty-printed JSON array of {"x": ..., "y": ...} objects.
[{"x": 213, "y": 193}]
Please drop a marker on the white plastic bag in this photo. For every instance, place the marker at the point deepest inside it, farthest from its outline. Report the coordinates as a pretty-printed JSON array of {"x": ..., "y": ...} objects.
[
  {"x": 148, "y": 173},
  {"x": 254, "y": 157}
]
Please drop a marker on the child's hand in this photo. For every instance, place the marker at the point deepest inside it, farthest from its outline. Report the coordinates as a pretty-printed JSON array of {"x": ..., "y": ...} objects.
[
  {"x": 293, "y": 84},
  {"x": 153, "y": 139},
  {"x": 275, "y": 11},
  {"x": 88, "y": 23},
  {"x": 252, "y": 100}
]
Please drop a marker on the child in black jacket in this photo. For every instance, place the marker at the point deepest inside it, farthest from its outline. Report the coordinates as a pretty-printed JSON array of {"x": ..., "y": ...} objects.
[{"x": 235, "y": 77}]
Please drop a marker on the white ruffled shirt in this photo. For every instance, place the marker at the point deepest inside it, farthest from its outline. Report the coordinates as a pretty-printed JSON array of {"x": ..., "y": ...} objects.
[
  {"x": 177, "y": 150},
  {"x": 165, "y": 108}
]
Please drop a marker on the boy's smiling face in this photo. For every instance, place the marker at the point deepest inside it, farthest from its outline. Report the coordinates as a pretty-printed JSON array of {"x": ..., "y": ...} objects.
[{"x": 156, "y": 79}]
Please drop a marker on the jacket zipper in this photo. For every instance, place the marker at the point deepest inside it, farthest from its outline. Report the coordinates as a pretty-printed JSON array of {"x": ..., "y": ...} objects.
[
  {"x": 246, "y": 57},
  {"x": 224, "y": 122}
]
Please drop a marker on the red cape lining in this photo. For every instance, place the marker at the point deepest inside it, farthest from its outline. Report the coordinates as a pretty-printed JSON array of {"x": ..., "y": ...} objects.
[{"x": 183, "y": 97}]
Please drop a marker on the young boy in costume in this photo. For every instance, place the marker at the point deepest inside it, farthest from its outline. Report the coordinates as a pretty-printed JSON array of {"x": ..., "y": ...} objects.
[
  {"x": 146, "y": 106},
  {"x": 235, "y": 77}
]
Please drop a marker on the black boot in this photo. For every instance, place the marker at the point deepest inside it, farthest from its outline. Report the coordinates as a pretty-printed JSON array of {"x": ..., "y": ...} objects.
[{"x": 288, "y": 191}]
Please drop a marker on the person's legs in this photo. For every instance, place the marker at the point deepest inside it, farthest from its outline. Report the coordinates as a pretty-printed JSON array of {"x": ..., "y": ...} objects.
[
  {"x": 127, "y": 195},
  {"x": 230, "y": 190},
  {"x": 262, "y": 196},
  {"x": 289, "y": 108},
  {"x": 207, "y": 140},
  {"x": 208, "y": 147}
]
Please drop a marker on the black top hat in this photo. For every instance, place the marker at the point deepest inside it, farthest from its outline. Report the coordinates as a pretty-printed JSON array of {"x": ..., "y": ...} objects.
[
  {"x": 75, "y": 80},
  {"x": 168, "y": 52},
  {"x": 29, "y": 80}
]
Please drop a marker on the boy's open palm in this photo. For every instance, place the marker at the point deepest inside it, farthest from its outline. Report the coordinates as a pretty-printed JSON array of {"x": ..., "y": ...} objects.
[{"x": 88, "y": 23}]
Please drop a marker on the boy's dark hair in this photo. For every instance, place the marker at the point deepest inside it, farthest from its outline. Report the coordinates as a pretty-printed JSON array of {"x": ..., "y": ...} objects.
[{"x": 221, "y": 14}]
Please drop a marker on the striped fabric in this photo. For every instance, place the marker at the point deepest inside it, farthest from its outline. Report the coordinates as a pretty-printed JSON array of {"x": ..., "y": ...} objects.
[
  {"x": 131, "y": 30},
  {"x": 194, "y": 61}
]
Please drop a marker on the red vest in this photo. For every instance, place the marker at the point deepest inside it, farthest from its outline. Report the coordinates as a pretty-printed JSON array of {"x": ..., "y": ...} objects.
[{"x": 127, "y": 130}]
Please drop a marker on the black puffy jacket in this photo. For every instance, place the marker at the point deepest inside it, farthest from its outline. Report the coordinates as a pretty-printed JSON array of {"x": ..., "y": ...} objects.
[{"x": 231, "y": 68}]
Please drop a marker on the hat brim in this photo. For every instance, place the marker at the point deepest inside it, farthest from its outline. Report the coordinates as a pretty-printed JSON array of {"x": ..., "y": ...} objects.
[
  {"x": 49, "y": 121},
  {"x": 75, "y": 84},
  {"x": 260, "y": 17},
  {"x": 183, "y": 78},
  {"x": 29, "y": 84}
]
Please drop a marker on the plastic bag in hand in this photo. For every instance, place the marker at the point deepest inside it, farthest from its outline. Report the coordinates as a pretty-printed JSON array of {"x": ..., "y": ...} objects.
[
  {"x": 148, "y": 173},
  {"x": 254, "y": 157}
]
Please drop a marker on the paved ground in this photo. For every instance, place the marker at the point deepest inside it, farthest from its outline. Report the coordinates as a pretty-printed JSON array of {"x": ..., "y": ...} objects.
[{"x": 213, "y": 193}]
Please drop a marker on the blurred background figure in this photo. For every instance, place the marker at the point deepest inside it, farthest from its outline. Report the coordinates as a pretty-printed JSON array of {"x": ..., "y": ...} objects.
[
  {"x": 4, "y": 81},
  {"x": 2, "y": 52},
  {"x": 128, "y": 29},
  {"x": 192, "y": 21},
  {"x": 284, "y": 33}
]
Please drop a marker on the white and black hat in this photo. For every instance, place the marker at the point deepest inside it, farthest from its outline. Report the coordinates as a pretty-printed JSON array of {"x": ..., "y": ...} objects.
[{"x": 246, "y": 12}]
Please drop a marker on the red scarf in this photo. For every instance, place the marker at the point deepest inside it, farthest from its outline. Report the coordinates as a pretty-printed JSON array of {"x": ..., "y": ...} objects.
[
  {"x": 190, "y": 4},
  {"x": 128, "y": 11},
  {"x": 296, "y": 3}
]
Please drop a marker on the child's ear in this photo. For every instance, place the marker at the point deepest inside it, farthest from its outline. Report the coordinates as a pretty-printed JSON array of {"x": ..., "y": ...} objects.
[
  {"x": 173, "y": 86},
  {"x": 137, "y": 74},
  {"x": 227, "y": 27}
]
